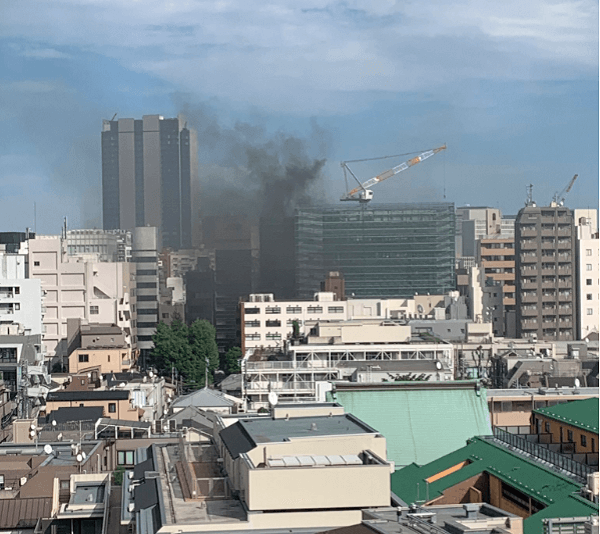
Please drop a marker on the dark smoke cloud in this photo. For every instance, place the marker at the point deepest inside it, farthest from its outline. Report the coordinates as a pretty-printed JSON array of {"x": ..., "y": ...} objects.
[{"x": 246, "y": 171}]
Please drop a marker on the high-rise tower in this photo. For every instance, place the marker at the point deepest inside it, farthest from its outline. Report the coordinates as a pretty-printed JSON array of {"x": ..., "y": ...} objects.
[{"x": 150, "y": 177}]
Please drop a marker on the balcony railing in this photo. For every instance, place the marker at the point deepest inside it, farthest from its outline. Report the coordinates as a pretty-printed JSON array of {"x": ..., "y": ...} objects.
[{"x": 542, "y": 453}]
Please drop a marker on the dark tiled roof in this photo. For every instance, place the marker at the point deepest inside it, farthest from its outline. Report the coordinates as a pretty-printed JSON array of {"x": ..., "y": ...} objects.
[
  {"x": 87, "y": 395},
  {"x": 23, "y": 513},
  {"x": 64, "y": 415}
]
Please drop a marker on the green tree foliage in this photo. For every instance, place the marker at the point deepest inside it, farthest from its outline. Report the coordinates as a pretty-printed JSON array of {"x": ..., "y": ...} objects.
[
  {"x": 232, "y": 357},
  {"x": 186, "y": 349}
]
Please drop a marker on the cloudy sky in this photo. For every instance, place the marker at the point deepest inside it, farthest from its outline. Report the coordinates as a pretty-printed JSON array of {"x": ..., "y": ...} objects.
[{"x": 511, "y": 87}]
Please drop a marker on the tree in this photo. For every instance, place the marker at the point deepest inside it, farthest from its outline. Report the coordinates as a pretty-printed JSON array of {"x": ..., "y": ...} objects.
[
  {"x": 203, "y": 345},
  {"x": 171, "y": 349},
  {"x": 232, "y": 360}
]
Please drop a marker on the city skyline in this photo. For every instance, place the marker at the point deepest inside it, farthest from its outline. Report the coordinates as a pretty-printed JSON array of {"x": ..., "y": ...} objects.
[{"x": 512, "y": 89}]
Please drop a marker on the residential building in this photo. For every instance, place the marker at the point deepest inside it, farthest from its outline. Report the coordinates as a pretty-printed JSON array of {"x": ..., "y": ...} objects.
[
  {"x": 514, "y": 407},
  {"x": 487, "y": 470},
  {"x": 545, "y": 273},
  {"x": 116, "y": 404},
  {"x": 386, "y": 251},
  {"x": 496, "y": 258},
  {"x": 76, "y": 289},
  {"x": 150, "y": 178},
  {"x": 100, "y": 348},
  {"x": 588, "y": 273},
  {"x": 474, "y": 223},
  {"x": 20, "y": 296},
  {"x": 145, "y": 258},
  {"x": 573, "y": 424}
]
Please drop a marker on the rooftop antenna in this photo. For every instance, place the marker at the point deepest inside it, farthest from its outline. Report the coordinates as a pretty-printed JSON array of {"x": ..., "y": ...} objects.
[
  {"x": 114, "y": 116},
  {"x": 530, "y": 201}
]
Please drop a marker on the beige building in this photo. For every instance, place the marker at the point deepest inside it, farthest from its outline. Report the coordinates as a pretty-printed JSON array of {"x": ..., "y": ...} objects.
[
  {"x": 311, "y": 467},
  {"x": 99, "y": 292},
  {"x": 116, "y": 404},
  {"x": 588, "y": 273},
  {"x": 98, "y": 347}
]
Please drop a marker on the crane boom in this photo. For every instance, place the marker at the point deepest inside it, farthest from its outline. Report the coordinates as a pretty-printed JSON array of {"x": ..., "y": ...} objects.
[
  {"x": 559, "y": 198},
  {"x": 362, "y": 194}
]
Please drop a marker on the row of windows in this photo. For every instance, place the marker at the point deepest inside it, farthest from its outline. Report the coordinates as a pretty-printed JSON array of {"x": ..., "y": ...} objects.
[
  {"x": 275, "y": 310},
  {"x": 269, "y": 336}
]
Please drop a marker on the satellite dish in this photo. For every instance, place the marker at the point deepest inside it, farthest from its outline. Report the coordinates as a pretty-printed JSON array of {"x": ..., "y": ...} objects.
[
  {"x": 79, "y": 458},
  {"x": 54, "y": 422},
  {"x": 48, "y": 448},
  {"x": 577, "y": 383},
  {"x": 273, "y": 399},
  {"x": 32, "y": 426},
  {"x": 32, "y": 433},
  {"x": 438, "y": 365},
  {"x": 420, "y": 308},
  {"x": 83, "y": 455}
]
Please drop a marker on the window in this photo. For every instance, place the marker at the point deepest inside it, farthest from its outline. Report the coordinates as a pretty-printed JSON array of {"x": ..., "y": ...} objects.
[
  {"x": 112, "y": 407},
  {"x": 589, "y": 296},
  {"x": 165, "y": 315},
  {"x": 293, "y": 309},
  {"x": 569, "y": 435},
  {"x": 273, "y": 322},
  {"x": 547, "y": 427},
  {"x": 109, "y": 358},
  {"x": 253, "y": 337},
  {"x": 590, "y": 311},
  {"x": 335, "y": 309},
  {"x": 252, "y": 324},
  {"x": 17, "y": 306},
  {"x": 36, "y": 263},
  {"x": 124, "y": 457},
  {"x": 251, "y": 311},
  {"x": 17, "y": 290},
  {"x": 64, "y": 485},
  {"x": 273, "y": 309},
  {"x": 1, "y": 482},
  {"x": 84, "y": 358},
  {"x": 82, "y": 382},
  {"x": 588, "y": 267},
  {"x": 588, "y": 281},
  {"x": 583, "y": 440},
  {"x": 146, "y": 285},
  {"x": 94, "y": 310},
  {"x": 588, "y": 251},
  {"x": 315, "y": 309}
]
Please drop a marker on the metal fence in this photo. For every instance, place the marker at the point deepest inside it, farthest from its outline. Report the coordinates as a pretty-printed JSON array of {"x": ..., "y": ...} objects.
[{"x": 542, "y": 453}]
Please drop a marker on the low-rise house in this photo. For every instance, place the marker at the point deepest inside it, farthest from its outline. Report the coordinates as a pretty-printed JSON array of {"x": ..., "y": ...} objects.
[{"x": 116, "y": 404}]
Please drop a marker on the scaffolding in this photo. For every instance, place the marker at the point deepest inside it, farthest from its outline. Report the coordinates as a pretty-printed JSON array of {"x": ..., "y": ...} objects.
[{"x": 383, "y": 252}]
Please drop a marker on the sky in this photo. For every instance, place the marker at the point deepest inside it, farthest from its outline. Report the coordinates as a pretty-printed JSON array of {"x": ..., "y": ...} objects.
[{"x": 510, "y": 87}]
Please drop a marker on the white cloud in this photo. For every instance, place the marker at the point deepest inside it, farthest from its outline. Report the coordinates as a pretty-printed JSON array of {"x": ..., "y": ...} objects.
[{"x": 320, "y": 56}]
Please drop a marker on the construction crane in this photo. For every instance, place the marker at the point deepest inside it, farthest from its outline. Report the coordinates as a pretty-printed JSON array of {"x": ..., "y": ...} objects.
[
  {"x": 362, "y": 194},
  {"x": 559, "y": 198}
]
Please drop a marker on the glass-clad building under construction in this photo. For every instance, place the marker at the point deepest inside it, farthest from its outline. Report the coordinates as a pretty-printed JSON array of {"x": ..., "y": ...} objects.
[{"x": 383, "y": 250}]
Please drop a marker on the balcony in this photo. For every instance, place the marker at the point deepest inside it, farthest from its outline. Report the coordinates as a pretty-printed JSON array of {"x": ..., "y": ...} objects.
[
  {"x": 529, "y": 285},
  {"x": 548, "y": 272},
  {"x": 565, "y": 271},
  {"x": 549, "y": 297},
  {"x": 528, "y": 258},
  {"x": 549, "y": 285},
  {"x": 526, "y": 312},
  {"x": 549, "y": 245},
  {"x": 528, "y": 232},
  {"x": 529, "y": 299}
]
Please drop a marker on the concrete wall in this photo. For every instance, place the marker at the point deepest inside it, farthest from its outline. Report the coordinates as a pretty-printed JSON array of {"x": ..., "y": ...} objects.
[
  {"x": 559, "y": 431},
  {"x": 105, "y": 360}
]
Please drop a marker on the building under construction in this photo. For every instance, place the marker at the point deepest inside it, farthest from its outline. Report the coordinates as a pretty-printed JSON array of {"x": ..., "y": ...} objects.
[{"x": 383, "y": 251}]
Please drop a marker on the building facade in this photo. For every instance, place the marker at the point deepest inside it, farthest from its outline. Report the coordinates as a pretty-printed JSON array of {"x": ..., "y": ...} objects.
[
  {"x": 588, "y": 273},
  {"x": 150, "y": 176},
  {"x": 145, "y": 257},
  {"x": 100, "y": 292},
  {"x": 545, "y": 273},
  {"x": 384, "y": 252}
]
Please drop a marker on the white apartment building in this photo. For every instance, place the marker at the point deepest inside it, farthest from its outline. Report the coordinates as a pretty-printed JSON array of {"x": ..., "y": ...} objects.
[
  {"x": 588, "y": 275},
  {"x": 20, "y": 297},
  {"x": 267, "y": 322},
  {"x": 99, "y": 292}
]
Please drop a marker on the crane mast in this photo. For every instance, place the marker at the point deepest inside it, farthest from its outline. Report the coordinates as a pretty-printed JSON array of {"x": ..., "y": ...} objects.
[
  {"x": 559, "y": 198},
  {"x": 362, "y": 194}
]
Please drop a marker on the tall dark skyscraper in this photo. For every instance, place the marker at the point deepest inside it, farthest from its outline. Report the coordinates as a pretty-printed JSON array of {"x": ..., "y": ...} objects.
[{"x": 150, "y": 178}]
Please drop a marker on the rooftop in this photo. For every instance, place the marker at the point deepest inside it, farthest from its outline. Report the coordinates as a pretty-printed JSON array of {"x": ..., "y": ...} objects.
[
  {"x": 205, "y": 397},
  {"x": 556, "y": 493},
  {"x": 579, "y": 413},
  {"x": 87, "y": 395},
  {"x": 247, "y": 433}
]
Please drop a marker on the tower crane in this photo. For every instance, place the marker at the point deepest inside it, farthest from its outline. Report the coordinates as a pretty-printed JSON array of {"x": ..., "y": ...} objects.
[
  {"x": 362, "y": 194},
  {"x": 559, "y": 198}
]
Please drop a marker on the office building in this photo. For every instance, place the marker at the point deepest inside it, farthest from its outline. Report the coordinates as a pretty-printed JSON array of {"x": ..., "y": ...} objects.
[
  {"x": 385, "y": 251},
  {"x": 545, "y": 273},
  {"x": 150, "y": 177},
  {"x": 100, "y": 245}
]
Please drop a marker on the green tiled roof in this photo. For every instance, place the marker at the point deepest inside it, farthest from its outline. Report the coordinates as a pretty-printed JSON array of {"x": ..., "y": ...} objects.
[
  {"x": 555, "y": 491},
  {"x": 580, "y": 413},
  {"x": 419, "y": 425}
]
